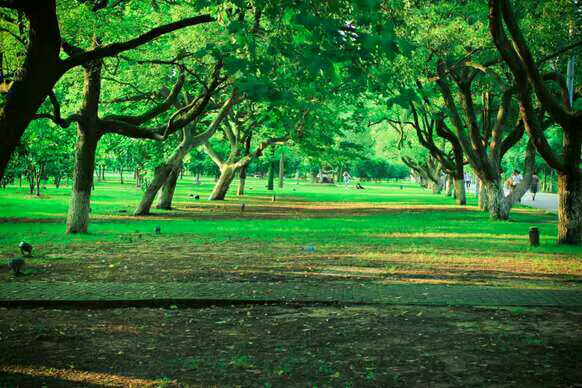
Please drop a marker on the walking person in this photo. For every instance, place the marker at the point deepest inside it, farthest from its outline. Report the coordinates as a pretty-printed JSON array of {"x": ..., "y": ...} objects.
[
  {"x": 535, "y": 184},
  {"x": 347, "y": 179}
]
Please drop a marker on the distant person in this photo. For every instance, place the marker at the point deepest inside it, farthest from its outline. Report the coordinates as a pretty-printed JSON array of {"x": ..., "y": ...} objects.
[
  {"x": 468, "y": 180},
  {"x": 535, "y": 185},
  {"x": 347, "y": 179}
]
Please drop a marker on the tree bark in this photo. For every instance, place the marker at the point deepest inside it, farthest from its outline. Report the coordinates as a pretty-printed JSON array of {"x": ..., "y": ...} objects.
[
  {"x": 227, "y": 174},
  {"x": 87, "y": 138},
  {"x": 271, "y": 180},
  {"x": 78, "y": 214},
  {"x": 281, "y": 169},
  {"x": 460, "y": 195},
  {"x": 39, "y": 73},
  {"x": 449, "y": 186},
  {"x": 242, "y": 177},
  {"x": 167, "y": 194},
  {"x": 569, "y": 208},
  {"x": 161, "y": 174},
  {"x": 498, "y": 206}
]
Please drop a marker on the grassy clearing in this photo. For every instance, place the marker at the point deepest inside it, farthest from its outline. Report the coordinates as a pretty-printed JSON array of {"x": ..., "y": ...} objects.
[{"x": 310, "y": 232}]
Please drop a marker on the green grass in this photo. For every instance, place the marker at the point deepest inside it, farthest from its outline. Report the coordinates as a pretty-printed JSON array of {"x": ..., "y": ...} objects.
[{"x": 382, "y": 232}]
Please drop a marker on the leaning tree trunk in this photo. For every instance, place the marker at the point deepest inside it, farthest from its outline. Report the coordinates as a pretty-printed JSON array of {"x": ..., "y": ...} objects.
[
  {"x": 161, "y": 174},
  {"x": 165, "y": 201},
  {"x": 227, "y": 174},
  {"x": 79, "y": 206},
  {"x": 569, "y": 208}
]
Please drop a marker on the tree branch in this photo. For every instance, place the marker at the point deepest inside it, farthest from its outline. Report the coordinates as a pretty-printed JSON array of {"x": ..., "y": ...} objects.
[{"x": 117, "y": 48}]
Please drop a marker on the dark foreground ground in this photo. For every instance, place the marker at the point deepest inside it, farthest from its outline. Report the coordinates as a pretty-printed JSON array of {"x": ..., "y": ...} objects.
[{"x": 282, "y": 346}]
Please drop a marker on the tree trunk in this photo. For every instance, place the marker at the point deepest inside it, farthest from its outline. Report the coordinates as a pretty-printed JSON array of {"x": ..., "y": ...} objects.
[
  {"x": 197, "y": 177},
  {"x": 121, "y": 175},
  {"x": 78, "y": 215},
  {"x": 34, "y": 81},
  {"x": 161, "y": 174},
  {"x": 242, "y": 177},
  {"x": 483, "y": 196},
  {"x": 167, "y": 194},
  {"x": 38, "y": 179},
  {"x": 271, "y": 181},
  {"x": 449, "y": 186},
  {"x": 436, "y": 187},
  {"x": 498, "y": 204},
  {"x": 227, "y": 174},
  {"x": 460, "y": 195},
  {"x": 87, "y": 139},
  {"x": 569, "y": 208},
  {"x": 281, "y": 169}
]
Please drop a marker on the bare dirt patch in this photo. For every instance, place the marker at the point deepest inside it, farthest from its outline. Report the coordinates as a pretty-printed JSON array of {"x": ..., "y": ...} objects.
[{"x": 278, "y": 346}]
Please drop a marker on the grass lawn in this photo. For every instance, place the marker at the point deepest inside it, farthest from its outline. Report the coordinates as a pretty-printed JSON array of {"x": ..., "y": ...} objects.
[{"x": 324, "y": 286}]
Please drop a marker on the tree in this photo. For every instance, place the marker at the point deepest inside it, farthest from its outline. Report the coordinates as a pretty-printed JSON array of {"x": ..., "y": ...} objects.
[
  {"x": 43, "y": 67},
  {"x": 516, "y": 53},
  {"x": 190, "y": 139}
]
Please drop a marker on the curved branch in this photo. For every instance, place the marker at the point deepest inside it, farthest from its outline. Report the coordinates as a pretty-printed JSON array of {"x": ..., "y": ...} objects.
[
  {"x": 117, "y": 48},
  {"x": 154, "y": 111}
]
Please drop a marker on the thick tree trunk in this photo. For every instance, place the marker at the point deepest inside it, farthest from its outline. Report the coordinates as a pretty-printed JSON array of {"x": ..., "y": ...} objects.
[
  {"x": 227, "y": 174},
  {"x": 78, "y": 215},
  {"x": 167, "y": 194},
  {"x": 460, "y": 195},
  {"x": 87, "y": 139},
  {"x": 121, "y": 175},
  {"x": 37, "y": 77},
  {"x": 483, "y": 196},
  {"x": 281, "y": 169},
  {"x": 498, "y": 204},
  {"x": 569, "y": 208}
]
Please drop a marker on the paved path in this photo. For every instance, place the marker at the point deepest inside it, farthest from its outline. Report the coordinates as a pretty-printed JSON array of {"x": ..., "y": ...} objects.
[
  {"x": 16, "y": 294},
  {"x": 546, "y": 201}
]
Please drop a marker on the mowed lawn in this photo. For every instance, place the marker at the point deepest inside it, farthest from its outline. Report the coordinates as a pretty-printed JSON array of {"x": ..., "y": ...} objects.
[
  {"x": 391, "y": 285},
  {"x": 396, "y": 232}
]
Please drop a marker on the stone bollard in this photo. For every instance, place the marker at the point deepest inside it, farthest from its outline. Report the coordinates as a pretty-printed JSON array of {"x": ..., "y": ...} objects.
[{"x": 534, "y": 237}]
